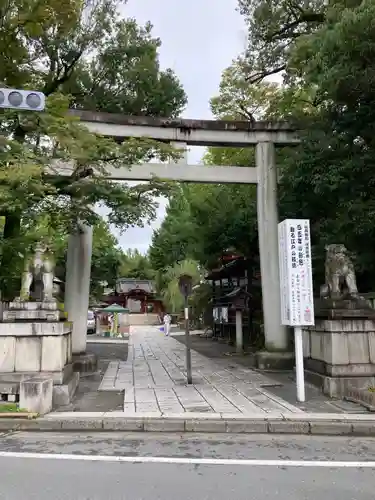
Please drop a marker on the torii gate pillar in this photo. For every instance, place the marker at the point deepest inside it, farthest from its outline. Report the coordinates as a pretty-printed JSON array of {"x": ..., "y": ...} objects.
[
  {"x": 77, "y": 284},
  {"x": 276, "y": 338}
]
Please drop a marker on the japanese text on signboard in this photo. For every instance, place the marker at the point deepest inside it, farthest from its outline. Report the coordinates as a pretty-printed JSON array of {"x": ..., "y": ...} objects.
[{"x": 295, "y": 272}]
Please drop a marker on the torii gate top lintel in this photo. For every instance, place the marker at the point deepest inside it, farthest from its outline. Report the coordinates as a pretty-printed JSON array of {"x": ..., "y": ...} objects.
[
  {"x": 194, "y": 132},
  {"x": 263, "y": 135}
]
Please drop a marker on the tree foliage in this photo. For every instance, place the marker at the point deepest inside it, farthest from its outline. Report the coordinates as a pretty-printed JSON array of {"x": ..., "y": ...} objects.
[
  {"x": 136, "y": 265},
  {"x": 85, "y": 49},
  {"x": 125, "y": 76},
  {"x": 174, "y": 240},
  {"x": 326, "y": 53},
  {"x": 273, "y": 26},
  {"x": 80, "y": 54},
  {"x": 329, "y": 178},
  {"x": 106, "y": 259},
  {"x": 173, "y": 299},
  {"x": 334, "y": 165}
]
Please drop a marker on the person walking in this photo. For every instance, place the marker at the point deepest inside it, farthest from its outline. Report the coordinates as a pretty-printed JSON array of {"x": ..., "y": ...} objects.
[{"x": 167, "y": 324}]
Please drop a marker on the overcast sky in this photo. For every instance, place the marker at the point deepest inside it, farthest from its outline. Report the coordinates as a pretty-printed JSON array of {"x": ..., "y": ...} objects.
[{"x": 199, "y": 40}]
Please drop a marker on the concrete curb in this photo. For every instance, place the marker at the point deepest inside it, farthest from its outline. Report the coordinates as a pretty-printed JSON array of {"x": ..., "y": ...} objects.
[
  {"x": 302, "y": 423},
  {"x": 18, "y": 414}
]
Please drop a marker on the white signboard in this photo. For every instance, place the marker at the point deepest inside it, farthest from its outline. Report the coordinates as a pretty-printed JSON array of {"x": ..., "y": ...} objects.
[{"x": 297, "y": 299}]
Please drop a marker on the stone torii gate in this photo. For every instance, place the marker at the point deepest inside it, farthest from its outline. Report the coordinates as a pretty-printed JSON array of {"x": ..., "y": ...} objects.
[{"x": 264, "y": 136}]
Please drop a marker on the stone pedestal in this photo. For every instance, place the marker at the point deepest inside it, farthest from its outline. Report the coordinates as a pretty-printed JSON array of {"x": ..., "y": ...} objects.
[
  {"x": 36, "y": 395},
  {"x": 339, "y": 350},
  {"x": 35, "y": 343}
]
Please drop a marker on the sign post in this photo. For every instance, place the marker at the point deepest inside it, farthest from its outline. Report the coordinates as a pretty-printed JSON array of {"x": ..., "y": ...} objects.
[
  {"x": 297, "y": 298},
  {"x": 185, "y": 283}
]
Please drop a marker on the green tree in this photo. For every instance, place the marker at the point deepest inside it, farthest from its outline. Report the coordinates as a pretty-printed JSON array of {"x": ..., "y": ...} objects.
[
  {"x": 106, "y": 259},
  {"x": 202, "y": 221},
  {"x": 172, "y": 297},
  {"x": 125, "y": 76},
  {"x": 224, "y": 217},
  {"x": 333, "y": 169},
  {"x": 85, "y": 49},
  {"x": 176, "y": 238},
  {"x": 136, "y": 265},
  {"x": 273, "y": 26},
  {"x": 30, "y": 186},
  {"x": 239, "y": 100},
  {"x": 326, "y": 53},
  {"x": 50, "y": 45}
]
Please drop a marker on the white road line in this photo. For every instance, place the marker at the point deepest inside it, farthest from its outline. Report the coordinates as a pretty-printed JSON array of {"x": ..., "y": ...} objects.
[{"x": 189, "y": 461}]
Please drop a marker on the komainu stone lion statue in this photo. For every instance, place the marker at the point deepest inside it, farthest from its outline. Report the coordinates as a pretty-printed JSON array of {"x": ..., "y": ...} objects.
[
  {"x": 340, "y": 280},
  {"x": 39, "y": 270}
]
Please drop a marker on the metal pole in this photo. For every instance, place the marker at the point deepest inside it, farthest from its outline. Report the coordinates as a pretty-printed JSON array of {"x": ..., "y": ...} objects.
[
  {"x": 187, "y": 340},
  {"x": 239, "y": 334},
  {"x": 300, "y": 376}
]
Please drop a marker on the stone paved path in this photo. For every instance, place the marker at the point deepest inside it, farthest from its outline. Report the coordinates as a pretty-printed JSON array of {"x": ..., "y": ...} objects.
[{"x": 154, "y": 381}]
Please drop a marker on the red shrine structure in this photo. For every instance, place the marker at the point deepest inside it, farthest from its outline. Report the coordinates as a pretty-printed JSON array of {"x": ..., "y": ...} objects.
[{"x": 139, "y": 296}]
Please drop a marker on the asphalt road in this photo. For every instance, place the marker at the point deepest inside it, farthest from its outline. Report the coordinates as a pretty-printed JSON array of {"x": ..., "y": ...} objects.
[{"x": 101, "y": 467}]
